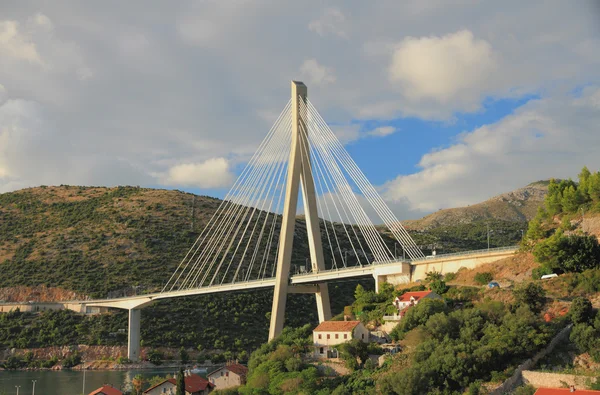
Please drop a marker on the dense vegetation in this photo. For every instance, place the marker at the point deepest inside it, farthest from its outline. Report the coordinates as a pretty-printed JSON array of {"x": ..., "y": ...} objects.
[
  {"x": 222, "y": 326},
  {"x": 116, "y": 241},
  {"x": 557, "y": 247},
  {"x": 458, "y": 348}
]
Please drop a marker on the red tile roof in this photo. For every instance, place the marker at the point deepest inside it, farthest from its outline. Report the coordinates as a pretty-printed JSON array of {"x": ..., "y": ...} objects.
[
  {"x": 236, "y": 368},
  {"x": 106, "y": 390},
  {"x": 193, "y": 383},
  {"x": 417, "y": 295},
  {"x": 563, "y": 391},
  {"x": 336, "y": 326}
]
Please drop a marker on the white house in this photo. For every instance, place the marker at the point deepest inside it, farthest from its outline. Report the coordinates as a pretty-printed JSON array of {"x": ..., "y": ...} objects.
[
  {"x": 331, "y": 333},
  {"x": 412, "y": 298},
  {"x": 230, "y": 375}
]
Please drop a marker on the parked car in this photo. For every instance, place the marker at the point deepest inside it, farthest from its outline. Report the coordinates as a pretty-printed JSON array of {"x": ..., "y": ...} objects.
[
  {"x": 547, "y": 276},
  {"x": 493, "y": 284}
]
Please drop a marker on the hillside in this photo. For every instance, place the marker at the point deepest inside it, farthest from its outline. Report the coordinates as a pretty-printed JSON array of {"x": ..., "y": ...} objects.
[
  {"x": 63, "y": 242},
  {"x": 517, "y": 206},
  {"x": 105, "y": 241}
]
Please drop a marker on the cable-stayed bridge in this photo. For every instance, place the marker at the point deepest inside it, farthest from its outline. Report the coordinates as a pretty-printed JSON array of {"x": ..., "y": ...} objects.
[{"x": 248, "y": 242}]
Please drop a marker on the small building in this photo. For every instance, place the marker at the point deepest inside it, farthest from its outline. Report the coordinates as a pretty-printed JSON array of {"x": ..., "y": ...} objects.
[
  {"x": 331, "y": 333},
  {"x": 412, "y": 298},
  {"x": 106, "y": 389},
  {"x": 194, "y": 385},
  {"x": 230, "y": 375}
]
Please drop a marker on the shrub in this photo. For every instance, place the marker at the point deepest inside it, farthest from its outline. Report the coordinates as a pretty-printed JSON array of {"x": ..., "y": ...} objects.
[
  {"x": 483, "y": 278},
  {"x": 72, "y": 360},
  {"x": 450, "y": 277},
  {"x": 581, "y": 310},
  {"x": 438, "y": 286},
  {"x": 155, "y": 357},
  {"x": 123, "y": 361},
  {"x": 532, "y": 295}
]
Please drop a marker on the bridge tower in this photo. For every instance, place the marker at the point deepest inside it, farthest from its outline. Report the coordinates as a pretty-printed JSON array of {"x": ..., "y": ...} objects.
[{"x": 299, "y": 177}]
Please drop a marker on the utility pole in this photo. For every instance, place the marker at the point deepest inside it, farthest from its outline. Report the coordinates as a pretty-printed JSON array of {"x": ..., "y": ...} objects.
[
  {"x": 488, "y": 234},
  {"x": 83, "y": 364},
  {"x": 33, "y": 391}
]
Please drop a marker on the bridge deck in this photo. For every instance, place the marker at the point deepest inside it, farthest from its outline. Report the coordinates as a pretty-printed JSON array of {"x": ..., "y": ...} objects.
[{"x": 138, "y": 301}]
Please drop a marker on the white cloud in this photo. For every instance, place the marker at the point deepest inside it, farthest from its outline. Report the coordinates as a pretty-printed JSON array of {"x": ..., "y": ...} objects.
[
  {"x": 212, "y": 173},
  {"x": 16, "y": 45},
  {"x": 332, "y": 21},
  {"x": 117, "y": 100},
  {"x": 382, "y": 131},
  {"x": 451, "y": 68},
  {"x": 3, "y": 95},
  {"x": 316, "y": 74},
  {"x": 199, "y": 32},
  {"x": 552, "y": 137}
]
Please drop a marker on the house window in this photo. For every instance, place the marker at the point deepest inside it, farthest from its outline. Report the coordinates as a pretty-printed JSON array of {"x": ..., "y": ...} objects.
[
  {"x": 328, "y": 336},
  {"x": 320, "y": 336},
  {"x": 226, "y": 374},
  {"x": 337, "y": 336},
  {"x": 345, "y": 335},
  {"x": 221, "y": 374},
  {"x": 363, "y": 336},
  {"x": 321, "y": 351}
]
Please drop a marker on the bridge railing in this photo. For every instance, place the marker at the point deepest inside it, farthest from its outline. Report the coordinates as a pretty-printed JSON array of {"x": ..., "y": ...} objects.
[
  {"x": 471, "y": 252},
  {"x": 435, "y": 257}
]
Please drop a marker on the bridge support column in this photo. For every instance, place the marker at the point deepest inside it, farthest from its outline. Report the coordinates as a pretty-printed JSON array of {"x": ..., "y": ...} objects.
[
  {"x": 376, "y": 277},
  {"x": 299, "y": 173},
  {"x": 133, "y": 339}
]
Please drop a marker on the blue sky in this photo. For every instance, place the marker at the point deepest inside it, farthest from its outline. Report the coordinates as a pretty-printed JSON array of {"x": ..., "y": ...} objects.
[{"x": 441, "y": 103}]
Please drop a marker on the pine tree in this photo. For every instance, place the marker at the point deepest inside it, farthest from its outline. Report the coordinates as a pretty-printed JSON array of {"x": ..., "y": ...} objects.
[
  {"x": 180, "y": 383},
  {"x": 571, "y": 199},
  {"x": 593, "y": 187},
  {"x": 584, "y": 178},
  {"x": 553, "y": 198}
]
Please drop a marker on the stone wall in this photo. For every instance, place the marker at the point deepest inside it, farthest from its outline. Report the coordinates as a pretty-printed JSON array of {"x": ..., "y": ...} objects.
[{"x": 517, "y": 377}]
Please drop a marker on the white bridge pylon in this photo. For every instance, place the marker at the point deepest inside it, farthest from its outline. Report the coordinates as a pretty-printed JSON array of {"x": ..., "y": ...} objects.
[{"x": 251, "y": 235}]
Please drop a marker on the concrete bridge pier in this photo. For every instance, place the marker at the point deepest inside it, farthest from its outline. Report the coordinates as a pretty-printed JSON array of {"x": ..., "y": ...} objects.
[{"x": 133, "y": 338}]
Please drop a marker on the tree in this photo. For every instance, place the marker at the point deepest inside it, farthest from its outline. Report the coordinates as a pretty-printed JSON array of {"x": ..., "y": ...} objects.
[
  {"x": 359, "y": 292},
  {"x": 439, "y": 287},
  {"x": 483, "y": 278},
  {"x": 180, "y": 383},
  {"x": 184, "y": 356},
  {"x": 138, "y": 384},
  {"x": 433, "y": 276},
  {"x": 531, "y": 295},
  {"x": 553, "y": 199},
  {"x": 584, "y": 177},
  {"x": 581, "y": 310},
  {"x": 571, "y": 199}
]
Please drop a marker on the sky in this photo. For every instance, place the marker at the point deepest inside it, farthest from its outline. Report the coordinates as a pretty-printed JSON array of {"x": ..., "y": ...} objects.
[{"x": 441, "y": 103}]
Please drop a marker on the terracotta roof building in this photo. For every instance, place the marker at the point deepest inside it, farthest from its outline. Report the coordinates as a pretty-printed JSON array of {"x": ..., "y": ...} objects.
[
  {"x": 231, "y": 375},
  {"x": 106, "y": 390},
  {"x": 194, "y": 385},
  {"x": 412, "y": 298},
  {"x": 330, "y": 333}
]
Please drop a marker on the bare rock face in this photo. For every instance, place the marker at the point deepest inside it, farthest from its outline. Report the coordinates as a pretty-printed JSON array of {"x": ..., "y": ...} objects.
[
  {"x": 37, "y": 294},
  {"x": 519, "y": 206}
]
